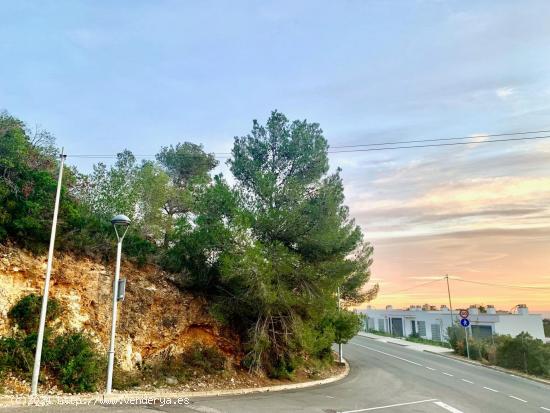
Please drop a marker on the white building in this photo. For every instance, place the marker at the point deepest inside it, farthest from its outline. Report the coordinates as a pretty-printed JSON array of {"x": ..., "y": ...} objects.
[{"x": 432, "y": 324}]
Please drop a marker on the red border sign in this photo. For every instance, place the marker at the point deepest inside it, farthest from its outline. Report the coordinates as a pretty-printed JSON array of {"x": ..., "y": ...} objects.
[{"x": 464, "y": 313}]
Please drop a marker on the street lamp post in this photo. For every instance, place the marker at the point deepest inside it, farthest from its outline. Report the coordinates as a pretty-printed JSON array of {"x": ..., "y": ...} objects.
[
  {"x": 340, "y": 349},
  {"x": 122, "y": 222}
]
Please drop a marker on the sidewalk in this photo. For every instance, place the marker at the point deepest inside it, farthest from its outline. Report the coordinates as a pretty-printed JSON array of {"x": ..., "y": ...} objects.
[{"x": 404, "y": 343}]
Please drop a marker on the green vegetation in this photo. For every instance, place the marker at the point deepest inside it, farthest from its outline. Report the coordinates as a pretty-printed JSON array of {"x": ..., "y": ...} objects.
[
  {"x": 268, "y": 253},
  {"x": 415, "y": 338},
  {"x": 25, "y": 314},
  {"x": 546, "y": 323},
  {"x": 523, "y": 352},
  {"x": 70, "y": 357},
  {"x": 380, "y": 333},
  {"x": 200, "y": 360}
]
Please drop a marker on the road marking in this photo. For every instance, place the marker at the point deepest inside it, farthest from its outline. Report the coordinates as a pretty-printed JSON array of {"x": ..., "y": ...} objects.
[
  {"x": 448, "y": 374},
  {"x": 429, "y": 368},
  {"x": 389, "y": 406},
  {"x": 448, "y": 408},
  {"x": 517, "y": 398},
  {"x": 387, "y": 354},
  {"x": 467, "y": 381},
  {"x": 545, "y": 408},
  {"x": 488, "y": 388}
]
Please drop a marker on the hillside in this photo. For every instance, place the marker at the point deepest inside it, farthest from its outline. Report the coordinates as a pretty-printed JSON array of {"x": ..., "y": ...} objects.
[{"x": 155, "y": 318}]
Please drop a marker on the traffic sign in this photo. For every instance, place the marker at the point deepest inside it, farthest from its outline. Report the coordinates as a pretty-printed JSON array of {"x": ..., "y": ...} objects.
[
  {"x": 464, "y": 313},
  {"x": 465, "y": 322}
]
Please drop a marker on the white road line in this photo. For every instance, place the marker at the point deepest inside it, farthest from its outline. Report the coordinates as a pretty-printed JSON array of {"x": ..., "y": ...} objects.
[
  {"x": 389, "y": 406},
  {"x": 517, "y": 398},
  {"x": 429, "y": 368},
  {"x": 488, "y": 388},
  {"x": 448, "y": 408},
  {"x": 467, "y": 381},
  {"x": 545, "y": 408},
  {"x": 387, "y": 354},
  {"x": 448, "y": 374}
]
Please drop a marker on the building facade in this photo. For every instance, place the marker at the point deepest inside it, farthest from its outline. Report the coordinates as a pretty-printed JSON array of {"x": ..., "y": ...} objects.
[{"x": 430, "y": 323}]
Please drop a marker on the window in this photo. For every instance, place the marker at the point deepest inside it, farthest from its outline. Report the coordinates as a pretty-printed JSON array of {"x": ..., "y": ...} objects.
[
  {"x": 381, "y": 324},
  {"x": 421, "y": 328}
]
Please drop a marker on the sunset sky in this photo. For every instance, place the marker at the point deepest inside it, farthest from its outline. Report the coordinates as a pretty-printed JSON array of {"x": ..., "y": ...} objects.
[{"x": 104, "y": 76}]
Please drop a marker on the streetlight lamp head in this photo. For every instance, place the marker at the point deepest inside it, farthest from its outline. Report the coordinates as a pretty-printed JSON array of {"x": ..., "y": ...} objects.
[{"x": 120, "y": 219}]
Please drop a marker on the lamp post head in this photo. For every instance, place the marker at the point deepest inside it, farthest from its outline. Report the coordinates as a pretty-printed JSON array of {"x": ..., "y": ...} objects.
[{"x": 121, "y": 220}]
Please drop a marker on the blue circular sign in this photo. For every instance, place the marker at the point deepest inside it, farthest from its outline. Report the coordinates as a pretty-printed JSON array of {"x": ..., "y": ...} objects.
[{"x": 465, "y": 322}]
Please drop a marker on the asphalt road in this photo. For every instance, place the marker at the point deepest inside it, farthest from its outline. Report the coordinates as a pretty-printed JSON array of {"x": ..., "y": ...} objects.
[{"x": 384, "y": 377}]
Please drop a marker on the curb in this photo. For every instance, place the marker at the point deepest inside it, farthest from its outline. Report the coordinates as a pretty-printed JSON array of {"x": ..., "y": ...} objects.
[
  {"x": 496, "y": 368},
  {"x": 20, "y": 401}
]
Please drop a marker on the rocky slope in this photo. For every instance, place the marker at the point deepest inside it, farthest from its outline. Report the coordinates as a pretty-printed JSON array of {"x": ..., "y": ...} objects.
[{"x": 155, "y": 318}]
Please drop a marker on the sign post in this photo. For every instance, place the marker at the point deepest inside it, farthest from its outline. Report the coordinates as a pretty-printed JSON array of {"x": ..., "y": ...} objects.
[{"x": 464, "y": 314}]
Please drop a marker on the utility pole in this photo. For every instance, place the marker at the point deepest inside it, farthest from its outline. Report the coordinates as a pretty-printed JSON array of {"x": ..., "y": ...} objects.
[
  {"x": 450, "y": 303},
  {"x": 340, "y": 349},
  {"x": 44, "y": 308},
  {"x": 467, "y": 345}
]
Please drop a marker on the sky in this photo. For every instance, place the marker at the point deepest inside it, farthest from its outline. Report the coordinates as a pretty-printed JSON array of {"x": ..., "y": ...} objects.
[{"x": 103, "y": 76}]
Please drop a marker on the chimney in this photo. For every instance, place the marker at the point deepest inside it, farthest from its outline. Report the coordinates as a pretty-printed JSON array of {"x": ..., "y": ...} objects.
[
  {"x": 418, "y": 308},
  {"x": 522, "y": 309},
  {"x": 426, "y": 307},
  {"x": 491, "y": 309},
  {"x": 389, "y": 307},
  {"x": 444, "y": 308},
  {"x": 473, "y": 310}
]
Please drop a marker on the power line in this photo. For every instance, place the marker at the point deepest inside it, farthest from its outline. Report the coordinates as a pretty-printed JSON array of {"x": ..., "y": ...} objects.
[
  {"x": 416, "y": 286},
  {"x": 442, "y": 139},
  {"x": 225, "y": 155},
  {"x": 502, "y": 285},
  {"x": 442, "y": 144}
]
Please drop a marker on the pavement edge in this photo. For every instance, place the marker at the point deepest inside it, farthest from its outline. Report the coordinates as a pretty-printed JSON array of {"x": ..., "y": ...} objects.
[
  {"x": 11, "y": 401},
  {"x": 496, "y": 368}
]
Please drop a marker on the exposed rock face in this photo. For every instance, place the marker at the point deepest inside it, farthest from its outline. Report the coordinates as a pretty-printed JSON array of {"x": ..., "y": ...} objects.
[{"x": 154, "y": 319}]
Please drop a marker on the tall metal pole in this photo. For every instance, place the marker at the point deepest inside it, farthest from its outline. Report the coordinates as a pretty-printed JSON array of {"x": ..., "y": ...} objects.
[
  {"x": 450, "y": 303},
  {"x": 113, "y": 319},
  {"x": 44, "y": 308},
  {"x": 467, "y": 345},
  {"x": 340, "y": 348}
]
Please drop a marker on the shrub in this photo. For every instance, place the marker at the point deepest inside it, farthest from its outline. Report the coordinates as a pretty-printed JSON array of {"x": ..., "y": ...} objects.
[
  {"x": 26, "y": 312},
  {"x": 76, "y": 363},
  {"x": 524, "y": 353},
  {"x": 208, "y": 359}
]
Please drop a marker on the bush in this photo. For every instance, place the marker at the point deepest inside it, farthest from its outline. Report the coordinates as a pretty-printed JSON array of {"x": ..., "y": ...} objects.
[
  {"x": 76, "y": 363},
  {"x": 524, "y": 353},
  {"x": 16, "y": 354},
  {"x": 207, "y": 359},
  {"x": 71, "y": 357},
  {"x": 199, "y": 360},
  {"x": 26, "y": 313}
]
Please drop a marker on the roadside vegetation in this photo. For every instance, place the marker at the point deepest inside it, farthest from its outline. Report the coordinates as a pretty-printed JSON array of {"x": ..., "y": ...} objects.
[
  {"x": 522, "y": 353},
  {"x": 69, "y": 359},
  {"x": 268, "y": 253},
  {"x": 414, "y": 338}
]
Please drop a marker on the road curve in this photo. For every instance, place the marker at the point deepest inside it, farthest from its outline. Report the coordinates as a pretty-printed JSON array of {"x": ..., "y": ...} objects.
[{"x": 384, "y": 378}]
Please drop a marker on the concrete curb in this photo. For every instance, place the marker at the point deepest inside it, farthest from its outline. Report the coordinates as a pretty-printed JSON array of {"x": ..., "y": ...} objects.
[
  {"x": 496, "y": 368},
  {"x": 96, "y": 399}
]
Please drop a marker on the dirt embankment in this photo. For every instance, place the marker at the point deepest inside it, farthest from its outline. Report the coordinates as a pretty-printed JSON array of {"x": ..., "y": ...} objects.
[{"x": 155, "y": 318}]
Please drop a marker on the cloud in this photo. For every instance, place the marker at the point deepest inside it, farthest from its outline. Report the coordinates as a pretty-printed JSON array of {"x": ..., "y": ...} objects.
[{"x": 504, "y": 92}]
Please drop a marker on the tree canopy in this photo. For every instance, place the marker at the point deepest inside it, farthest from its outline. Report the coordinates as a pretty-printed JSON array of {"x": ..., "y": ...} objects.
[{"x": 268, "y": 252}]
